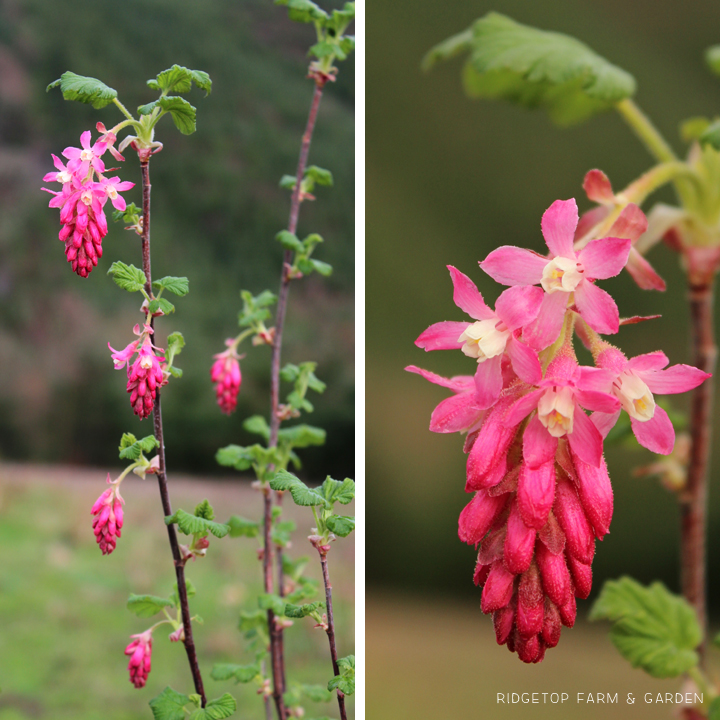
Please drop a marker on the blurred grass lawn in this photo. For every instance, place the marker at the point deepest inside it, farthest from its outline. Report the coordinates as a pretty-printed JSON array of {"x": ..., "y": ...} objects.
[
  {"x": 439, "y": 660},
  {"x": 64, "y": 622}
]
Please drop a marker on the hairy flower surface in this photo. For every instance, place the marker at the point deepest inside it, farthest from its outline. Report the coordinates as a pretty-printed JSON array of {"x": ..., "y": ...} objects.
[{"x": 140, "y": 651}]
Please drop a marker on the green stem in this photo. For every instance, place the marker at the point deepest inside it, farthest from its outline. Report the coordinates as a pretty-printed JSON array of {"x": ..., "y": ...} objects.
[
  {"x": 124, "y": 110},
  {"x": 645, "y": 130},
  {"x": 702, "y": 682},
  {"x": 658, "y": 176}
]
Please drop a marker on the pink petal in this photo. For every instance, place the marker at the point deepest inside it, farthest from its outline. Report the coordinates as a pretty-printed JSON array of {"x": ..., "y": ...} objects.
[
  {"x": 489, "y": 480},
  {"x": 643, "y": 273},
  {"x": 604, "y": 258},
  {"x": 657, "y": 434},
  {"x": 596, "y": 378},
  {"x": 558, "y": 227},
  {"x": 545, "y": 329},
  {"x": 455, "y": 414},
  {"x": 649, "y": 361},
  {"x": 478, "y": 515},
  {"x": 536, "y": 492},
  {"x": 467, "y": 297},
  {"x": 585, "y": 439},
  {"x": 631, "y": 223},
  {"x": 595, "y": 493},
  {"x": 518, "y": 306},
  {"x": 538, "y": 444},
  {"x": 600, "y": 401},
  {"x": 511, "y": 265},
  {"x": 498, "y": 589},
  {"x": 590, "y": 219},
  {"x": 551, "y": 624},
  {"x": 604, "y": 422},
  {"x": 597, "y": 187},
  {"x": 85, "y": 139},
  {"x": 523, "y": 407},
  {"x": 524, "y": 361},
  {"x": 597, "y": 308},
  {"x": 488, "y": 381},
  {"x": 519, "y": 543},
  {"x": 459, "y": 383},
  {"x": 676, "y": 379},
  {"x": 569, "y": 512},
  {"x": 442, "y": 336}
]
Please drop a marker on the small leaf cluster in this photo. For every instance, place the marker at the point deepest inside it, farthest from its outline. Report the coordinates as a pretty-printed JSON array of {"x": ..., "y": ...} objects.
[
  {"x": 131, "y": 448},
  {"x": 131, "y": 216},
  {"x": 332, "y": 43},
  {"x": 171, "y": 705},
  {"x": 303, "y": 377},
  {"x": 256, "y": 310},
  {"x": 345, "y": 681},
  {"x": 145, "y": 606},
  {"x": 200, "y": 523},
  {"x": 303, "y": 263},
  {"x": 312, "y": 176},
  {"x": 652, "y": 628},
  {"x": 322, "y": 498},
  {"x": 132, "y": 279},
  {"x": 535, "y": 68},
  {"x": 294, "y": 697}
]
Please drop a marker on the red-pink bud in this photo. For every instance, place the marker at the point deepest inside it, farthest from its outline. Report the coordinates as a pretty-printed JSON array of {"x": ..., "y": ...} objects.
[
  {"x": 552, "y": 625},
  {"x": 519, "y": 543},
  {"x": 528, "y": 649},
  {"x": 498, "y": 588},
  {"x": 478, "y": 516},
  {"x": 225, "y": 373},
  {"x": 531, "y": 603},
  {"x": 571, "y": 516},
  {"x": 581, "y": 576},
  {"x": 554, "y": 573},
  {"x": 492, "y": 547},
  {"x": 568, "y": 612},
  {"x": 504, "y": 622},
  {"x": 552, "y": 536},
  {"x": 536, "y": 491},
  {"x": 108, "y": 518},
  {"x": 140, "y": 651},
  {"x": 596, "y": 494}
]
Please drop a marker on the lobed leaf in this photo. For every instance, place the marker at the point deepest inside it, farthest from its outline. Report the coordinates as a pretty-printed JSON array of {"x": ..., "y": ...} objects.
[
  {"x": 341, "y": 525},
  {"x": 319, "y": 175},
  {"x": 130, "y": 448},
  {"x": 239, "y": 673},
  {"x": 128, "y": 277},
  {"x": 301, "y": 436},
  {"x": 84, "y": 89},
  {"x": 177, "y": 285},
  {"x": 161, "y": 305},
  {"x": 345, "y": 681},
  {"x": 169, "y": 705},
  {"x": 257, "y": 425},
  {"x": 301, "y": 493},
  {"x": 193, "y": 525},
  {"x": 182, "y": 112},
  {"x": 301, "y": 611},
  {"x": 146, "y": 606},
  {"x": 180, "y": 79},
  {"x": 205, "y": 510},
  {"x": 289, "y": 241},
  {"x": 268, "y": 601},
  {"x": 218, "y": 709},
  {"x": 303, "y": 10},
  {"x": 242, "y": 527},
  {"x": 535, "y": 68},
  {"x": 337, "y": 491},
  {"x": 653, "y": 629}
]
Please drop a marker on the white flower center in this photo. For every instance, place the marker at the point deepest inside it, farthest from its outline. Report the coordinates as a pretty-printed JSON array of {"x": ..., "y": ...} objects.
[
  {"x": 635, "y": 396},
  {"x": 483, "y": 340},
  {"x": 111, "y": 191},
  {"x": 87, "y": 197},
  {"x": 146, "y": 361},
  {"x": 64, "y": 177},
  {"x": 86, "y": 155},
  {"x": 561, "y": 274},
  {"x": 555, "y": 410}
]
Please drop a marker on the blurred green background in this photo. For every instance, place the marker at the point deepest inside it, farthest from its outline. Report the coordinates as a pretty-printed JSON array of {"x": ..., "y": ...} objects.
[
  {"x": 216, "y": 209},
  {"x": 449, "y": 179}
]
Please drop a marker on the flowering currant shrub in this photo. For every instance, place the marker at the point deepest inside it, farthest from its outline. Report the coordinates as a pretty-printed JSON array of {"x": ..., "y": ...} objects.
[
  {"x": 535, "y": 460},
  {"x": 541, "y": 489}
]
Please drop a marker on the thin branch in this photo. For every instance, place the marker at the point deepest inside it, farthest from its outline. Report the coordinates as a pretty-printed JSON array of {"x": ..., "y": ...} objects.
[
  {"x": 161, "y": 474},
  {"x": 331, "y": 628},
  {"x": 693, "y": 499},
  {"x": 276, "y": 634}
]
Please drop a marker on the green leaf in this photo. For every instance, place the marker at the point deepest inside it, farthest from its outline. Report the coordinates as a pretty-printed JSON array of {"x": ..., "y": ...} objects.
[
  {"x": 323, "y": 268},
  {"x": 287, "y": 182},
  {"x": 303, "y": 10},
  {"x": 306, "y": 588},
  {"x": 714, "y": 709},
  {"x": 341, "y": 525},
  {"x": 294, "y": 568},
  {"x": 535, "y": 68},
  {"x": 222, "y": 707},
  {"x": 242, "y": 527},
  {"x": 301, "y": 611},
  {"x": 257, "y": 425},
  {"x": 301, "y": 436},
  {"x": 128, "y": 277},
  {"x": 169, "y": 705},
  {"x": 130, "y": 448},
  {"x": 692, "y": 128},
  {"x": 252, "y": 619},
  {"x": 712, "y": 58},
  {"x": 336, "y": 491},
  {"x": 316, "y": 693},
  {"x": 345, "y": 681},
  {"x": 183, "y": 113},
  {"x": 268, "y": 601},
  {"x": 180, "y": 79},
  {"x": 653, "y": 629},
  {"x": 178, "y": 285},
  {"x": 130, "y": 214},
  {"x": 281, "y": 532},
  {"x": 239, "y": 673},
  {"x": 289, "y": 241},
  {"x": 161, "y": 305},
  {"x": 175, "y": 344},
  {"x": 204, "y": 510},
  {"x": 319, "y": 175},
  {"x": 192, "y": 525},
  {"x": 255, "y": 308},
  {"x": 84, "y": 89},
  {"x": 146, "y": 606},
  {"x": 301, "y": 493},
  {"x": 243, "y": 458},
  {"x": 711, "y": 135}
]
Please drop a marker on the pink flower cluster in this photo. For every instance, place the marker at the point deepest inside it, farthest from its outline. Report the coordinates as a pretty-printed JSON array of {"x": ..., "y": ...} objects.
[
  {"x": 108, "y": 520},
  {"x": 225, "y": 373},
  {"x": 542, "y": 493},
  {"x": 145, "y": 374},
  {"x": 140, "y": 651},
  {"x": 82, "y": 198}
]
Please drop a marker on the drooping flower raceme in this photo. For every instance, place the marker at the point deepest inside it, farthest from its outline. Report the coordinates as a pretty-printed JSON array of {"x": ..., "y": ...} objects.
[
  {"x": 82, "y": 198},
  {"x": 225, "y": 373},
  {"x": 541, "y": 489},
  {"x": 140, "y": 651},
  {"x": 108, "y": 521}
]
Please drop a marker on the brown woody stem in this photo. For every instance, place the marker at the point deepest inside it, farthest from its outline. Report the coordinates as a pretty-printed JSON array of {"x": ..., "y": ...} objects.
[
  {"x": 331, "y": 628},
  {"x": 693, "y": 499},
  {"x": 161, "y": 474}
]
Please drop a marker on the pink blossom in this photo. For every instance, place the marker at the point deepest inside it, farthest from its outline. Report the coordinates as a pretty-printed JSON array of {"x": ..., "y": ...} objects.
[
  {"x": 566, "y": 273},
  {"x": 494, "y": 333},
  {"x": 144, "y": 377},
  {"x": 458, "y": 413},
  {"x": 82, "y": 159},
  {"x": 111, "y": 187},
  {"x": 140, "y": 651},
  {"x": 109, "y": 138},
  {"x": 633, "y": 382},
  {"x": 225, "y": 373},
  {"x": 108, "y": 520}
]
